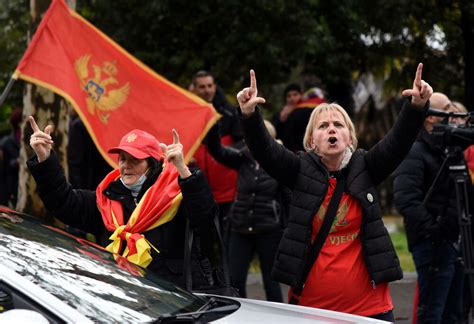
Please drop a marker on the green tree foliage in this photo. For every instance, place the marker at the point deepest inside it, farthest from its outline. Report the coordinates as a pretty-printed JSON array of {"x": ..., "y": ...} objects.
[
  {"x": 282, "y": 40},
  {"x": 13, "y": 35},
  {"x": 399, "y": 34},
  {"x": 333, "y": 40},
  {"x": 180, "y": 37}
]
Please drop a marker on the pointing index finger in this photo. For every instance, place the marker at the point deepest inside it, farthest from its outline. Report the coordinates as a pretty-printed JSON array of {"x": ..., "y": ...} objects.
[
  {"x": 175, "y": 137},
  {"x": 419, "y": 71},
  {"x": 163, "y": 147},
  {"x": 253, "y": 80},
  {"x": 33, "y": 124}
]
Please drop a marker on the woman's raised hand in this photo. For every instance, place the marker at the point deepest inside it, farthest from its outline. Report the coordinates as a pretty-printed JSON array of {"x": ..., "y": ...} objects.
[
  {"x": 174, "y": 154},
  {"x": 41, "y": 141},
  {"x": 421, "y": 91},
  {"x": 248, "y": 98}
]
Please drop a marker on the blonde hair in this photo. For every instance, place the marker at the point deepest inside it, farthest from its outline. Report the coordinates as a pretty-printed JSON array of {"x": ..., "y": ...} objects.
[
  {"x": 327, "y": 107},
  {"x": 459, "y": 106},
  {"x": 270, "y": 128}
]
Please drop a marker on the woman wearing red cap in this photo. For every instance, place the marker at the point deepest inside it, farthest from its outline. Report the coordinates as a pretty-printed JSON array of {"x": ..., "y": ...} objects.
[{"x": 138, "y": 210}]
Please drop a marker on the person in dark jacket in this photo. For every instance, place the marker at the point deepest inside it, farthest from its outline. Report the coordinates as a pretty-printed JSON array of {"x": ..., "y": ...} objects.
[
  {"x": 257, "y": 216},
  {"x": 86, "y": 167},
  {"x": 357, "y": 261},
  {"x": 431, "y": 222},
  {"x": 10, "y": 146},
  {"x": 138, "y": 210},
  {"x": 292, "y": 95},
  {"x": 297, "y": 120},
  {"x": 222, "y": 180}
]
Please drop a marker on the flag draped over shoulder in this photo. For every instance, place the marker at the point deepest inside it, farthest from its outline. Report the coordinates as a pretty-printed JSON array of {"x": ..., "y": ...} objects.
[
  {"x": 158, "y": 206},
  {"x": 111, "y": 90}
]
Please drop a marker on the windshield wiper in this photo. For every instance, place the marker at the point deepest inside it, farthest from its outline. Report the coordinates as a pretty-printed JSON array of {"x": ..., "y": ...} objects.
[{"x": 191, "y": 317}]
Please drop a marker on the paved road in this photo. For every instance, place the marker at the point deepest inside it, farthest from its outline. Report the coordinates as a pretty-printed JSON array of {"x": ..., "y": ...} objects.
[{"x": 402, "y": 294}]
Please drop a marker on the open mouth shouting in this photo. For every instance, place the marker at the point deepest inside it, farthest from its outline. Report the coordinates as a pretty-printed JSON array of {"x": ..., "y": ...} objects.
[{"x": 332, "y": 141}]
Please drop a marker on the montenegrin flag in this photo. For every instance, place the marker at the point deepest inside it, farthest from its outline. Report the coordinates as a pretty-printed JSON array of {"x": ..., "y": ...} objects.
[{"x": 112, "y": 91}]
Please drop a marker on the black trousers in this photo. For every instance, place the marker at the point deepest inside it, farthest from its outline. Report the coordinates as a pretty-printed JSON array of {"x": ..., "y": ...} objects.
[
  {"x": 242, "y": 248},
  {"x": 208, "y": 236}
]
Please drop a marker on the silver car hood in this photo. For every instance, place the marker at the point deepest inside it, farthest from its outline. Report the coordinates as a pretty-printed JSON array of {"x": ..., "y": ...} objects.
[{"x": 258, "y": 311}]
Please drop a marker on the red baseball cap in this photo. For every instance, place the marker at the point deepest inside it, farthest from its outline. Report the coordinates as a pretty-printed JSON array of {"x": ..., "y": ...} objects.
[{"x": 140, "y": 145}]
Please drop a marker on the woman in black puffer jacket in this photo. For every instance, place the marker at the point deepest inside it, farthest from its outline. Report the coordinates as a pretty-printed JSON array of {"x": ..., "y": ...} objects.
[
  {"x": 257, "y": 216},
  {"x": 357, "y": 259}
]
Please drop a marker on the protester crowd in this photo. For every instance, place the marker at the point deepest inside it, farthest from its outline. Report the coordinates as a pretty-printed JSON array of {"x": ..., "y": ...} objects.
[{"x": 296, "y": 191}]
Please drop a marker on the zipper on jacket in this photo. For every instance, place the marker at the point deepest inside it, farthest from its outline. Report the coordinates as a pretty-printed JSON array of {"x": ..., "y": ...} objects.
[
  {"x": 372, "y": 281},
  {"x": 135, "y": 201}
]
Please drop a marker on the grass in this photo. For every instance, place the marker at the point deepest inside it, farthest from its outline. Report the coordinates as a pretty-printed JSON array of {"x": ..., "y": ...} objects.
[
  {"x": 254, "y": 265},
  {"x": 398, "y": 236},
  {"x": 400, "y": 242}
]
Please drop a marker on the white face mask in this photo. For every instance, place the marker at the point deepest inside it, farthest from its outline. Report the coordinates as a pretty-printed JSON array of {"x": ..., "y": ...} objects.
[{"x": 137, "y": 186}]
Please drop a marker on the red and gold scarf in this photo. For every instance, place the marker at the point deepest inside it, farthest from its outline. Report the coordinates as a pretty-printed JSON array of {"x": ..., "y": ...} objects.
[{"x": 158, "y": 206}]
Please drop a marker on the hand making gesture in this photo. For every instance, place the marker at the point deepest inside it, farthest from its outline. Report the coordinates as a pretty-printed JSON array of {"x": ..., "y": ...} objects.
[
  {"x": 421, "y": 91},
  {"x": 41, "y": 141},
  {"x": 248, "y": 98},
  {"x": 174, "y": 154}
]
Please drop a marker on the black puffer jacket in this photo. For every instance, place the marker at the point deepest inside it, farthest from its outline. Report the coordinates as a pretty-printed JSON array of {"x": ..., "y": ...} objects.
[
  {"x": 261, "y": 204},
  {"x": 438, "y": 219},
  {"x": 306, "y": 175},
  {"x": 78, "y": 208}
]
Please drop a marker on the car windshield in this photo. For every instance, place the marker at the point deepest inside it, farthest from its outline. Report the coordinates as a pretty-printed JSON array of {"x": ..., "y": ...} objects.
[{"x": 96, "y": 283}]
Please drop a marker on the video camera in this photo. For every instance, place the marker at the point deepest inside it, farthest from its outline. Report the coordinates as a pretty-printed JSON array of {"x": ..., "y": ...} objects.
[{"x": 449, "y": 134}]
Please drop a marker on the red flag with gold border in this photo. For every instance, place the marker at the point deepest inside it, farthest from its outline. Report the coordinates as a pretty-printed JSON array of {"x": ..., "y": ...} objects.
[{"x": 111, "y": 90}]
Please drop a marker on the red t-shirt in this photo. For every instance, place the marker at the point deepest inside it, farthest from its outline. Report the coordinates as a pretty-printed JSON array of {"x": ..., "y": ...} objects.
[
  {"x": 339, "y": 279},
  {"x": 469, "y": 157},
  {"x": 221, "y": 179}
]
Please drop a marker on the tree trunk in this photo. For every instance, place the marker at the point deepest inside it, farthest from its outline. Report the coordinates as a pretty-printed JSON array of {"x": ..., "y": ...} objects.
[{"x": 46, "y": 108}]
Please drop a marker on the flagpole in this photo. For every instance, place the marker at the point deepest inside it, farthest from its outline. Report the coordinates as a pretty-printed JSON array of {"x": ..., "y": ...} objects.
[{"x": 6, "y": 91}]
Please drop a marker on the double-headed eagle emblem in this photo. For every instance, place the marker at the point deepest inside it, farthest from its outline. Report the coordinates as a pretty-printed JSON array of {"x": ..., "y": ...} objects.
[
  {"x": 100, "y": 98},
  {"x": 340, "y": 219}
]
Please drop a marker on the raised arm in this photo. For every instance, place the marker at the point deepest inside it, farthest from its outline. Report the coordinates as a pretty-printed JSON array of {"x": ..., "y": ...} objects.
[
  {"x": 275, "y": 159},
  {"x": 174, "y": 154},
  {"x": 420, "y": 92},
  {"x": 197, "y": 195},
  {"x": 248, "y": 97},
  {"x": 225, "y": 155},
  {"x": 77, "y": 208},
  {"x": 41, "y": 141},
  {"x": 387, "y": 154}
]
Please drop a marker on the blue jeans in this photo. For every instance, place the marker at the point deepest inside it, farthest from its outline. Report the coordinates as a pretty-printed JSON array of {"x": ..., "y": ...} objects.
[
  {"x": 242, "y": 247},
  {"x": 440, "y": 279}
]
